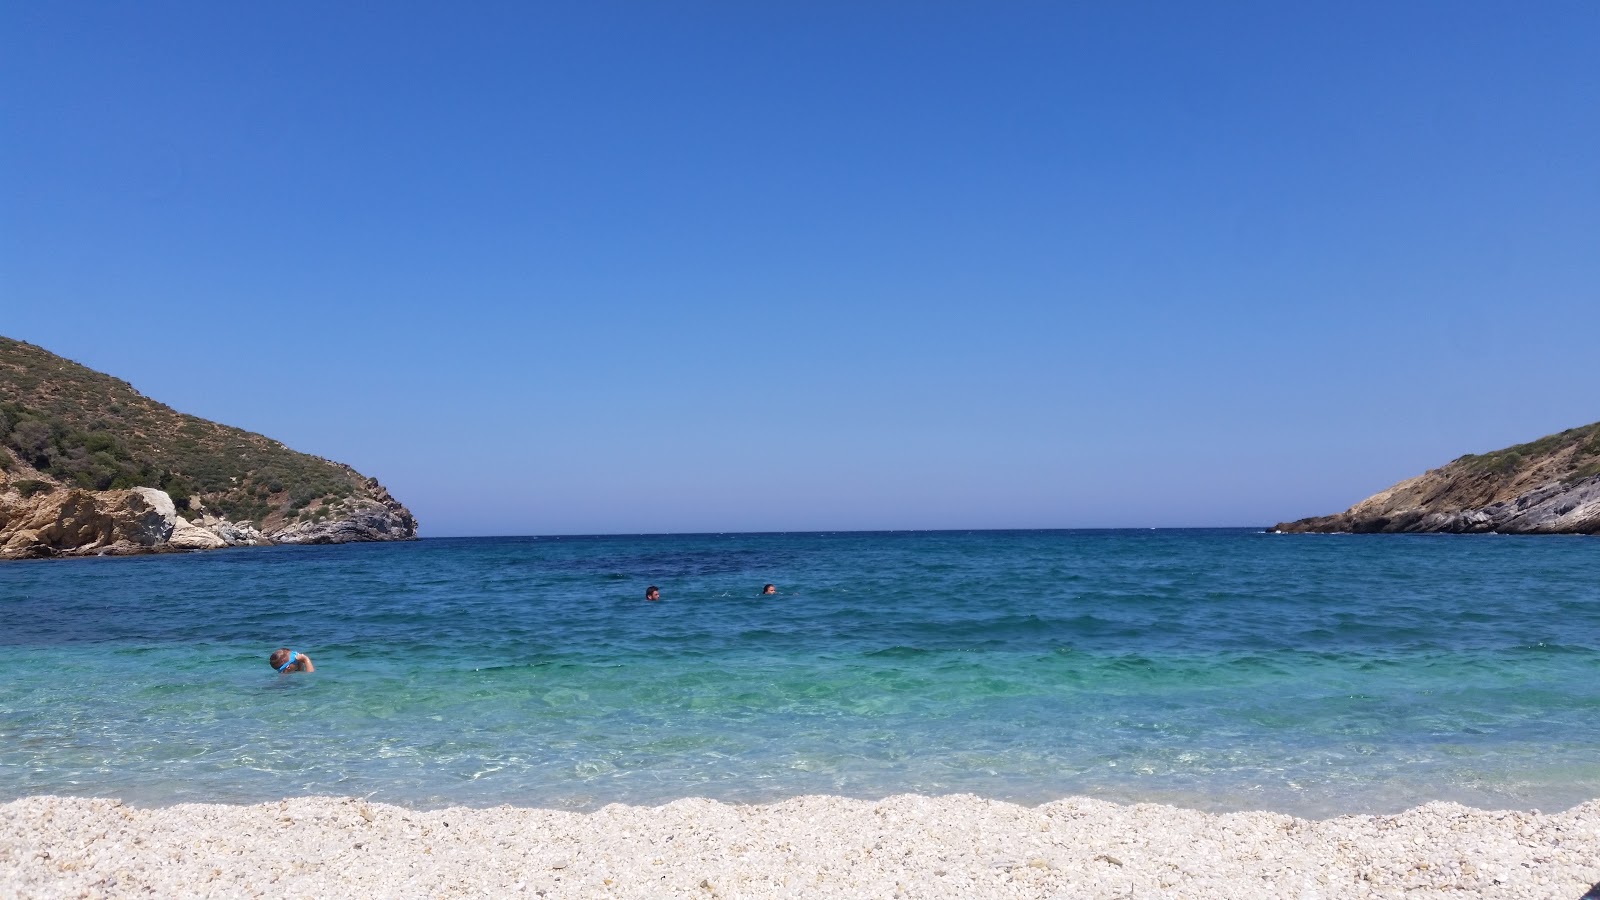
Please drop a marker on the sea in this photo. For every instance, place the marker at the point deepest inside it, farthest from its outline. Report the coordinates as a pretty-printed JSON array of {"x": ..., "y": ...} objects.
[{"x": 1219, "y": 669}]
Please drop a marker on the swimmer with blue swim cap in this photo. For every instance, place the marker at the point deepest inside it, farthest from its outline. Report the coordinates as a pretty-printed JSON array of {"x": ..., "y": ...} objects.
[{"x": 286, "y": 661}]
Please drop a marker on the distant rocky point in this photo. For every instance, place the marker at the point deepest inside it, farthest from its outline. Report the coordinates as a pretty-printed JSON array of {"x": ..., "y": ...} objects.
[
  {"x": 89, "y": 466},
  {"x": 1547, "y": 486}
]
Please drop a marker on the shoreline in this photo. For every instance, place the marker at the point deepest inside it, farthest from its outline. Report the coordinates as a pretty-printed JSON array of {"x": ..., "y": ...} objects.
[{"x": 811, "y": 846}]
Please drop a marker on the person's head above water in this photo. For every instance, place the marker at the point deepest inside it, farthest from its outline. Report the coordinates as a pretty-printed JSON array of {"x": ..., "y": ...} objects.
[
  {"x": 652, "y": 593},
  {"x": 769, "y": 589},
  {"x": 285, "y": 661}
]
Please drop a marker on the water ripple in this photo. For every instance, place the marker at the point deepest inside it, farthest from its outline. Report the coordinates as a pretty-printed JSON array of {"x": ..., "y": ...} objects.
[{"x": 1225, "y": 669}]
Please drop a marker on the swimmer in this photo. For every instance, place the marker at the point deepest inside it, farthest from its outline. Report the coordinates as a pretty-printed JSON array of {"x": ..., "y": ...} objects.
[
  {"x": 769, "y": 589},
  {"x": 286, "y": 661},
  {"x": 652, "y": 593}
]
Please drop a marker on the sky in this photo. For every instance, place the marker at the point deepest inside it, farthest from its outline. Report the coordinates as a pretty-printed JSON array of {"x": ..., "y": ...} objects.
[{"x": 698, "y": 267}]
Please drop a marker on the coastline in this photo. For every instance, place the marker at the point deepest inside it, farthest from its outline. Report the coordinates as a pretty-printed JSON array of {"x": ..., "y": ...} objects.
[{"x": 812, "y": 846}]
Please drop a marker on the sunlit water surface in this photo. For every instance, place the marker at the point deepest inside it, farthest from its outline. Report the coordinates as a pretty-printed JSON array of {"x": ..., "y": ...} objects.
[{"x": 1219, "y": 669}]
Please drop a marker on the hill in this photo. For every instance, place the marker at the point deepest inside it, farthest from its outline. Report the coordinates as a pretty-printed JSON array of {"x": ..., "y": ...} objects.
[
  {"x": 71, "y": 436},
  {"x": 1547, "y": 486}
]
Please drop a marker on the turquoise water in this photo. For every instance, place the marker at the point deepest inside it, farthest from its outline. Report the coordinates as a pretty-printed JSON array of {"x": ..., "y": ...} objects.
[{"x": 1220, "y": 669}]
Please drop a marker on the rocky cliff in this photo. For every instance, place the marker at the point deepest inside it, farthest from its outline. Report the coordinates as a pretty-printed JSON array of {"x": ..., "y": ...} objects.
[
  {"x": 375, "y": 517},
  {"x": 1548, "y": 486},
  {"x": 88, "y": 465},
  {"x": 76, "y": 522}
]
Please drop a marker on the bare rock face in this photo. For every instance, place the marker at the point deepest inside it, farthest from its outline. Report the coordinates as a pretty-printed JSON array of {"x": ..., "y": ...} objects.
[
  {"x": 188, "y": 536},
  {"x": 149, "y": 516},
  {"x": 235, "y": 534},
  {"x": 75, "y": 522},
  {"x": 361, "y": 520},
  {"x": 85, "y": 522},
  {"x": 1547, "y": 486},
  {"x": 1550, "y": 508}
]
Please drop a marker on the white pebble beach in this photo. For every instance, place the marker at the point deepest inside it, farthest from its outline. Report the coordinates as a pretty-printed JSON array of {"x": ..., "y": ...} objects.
[{"x": 903, "y": 846}]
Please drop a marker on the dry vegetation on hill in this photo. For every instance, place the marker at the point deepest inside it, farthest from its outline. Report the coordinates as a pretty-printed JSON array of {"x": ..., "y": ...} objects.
[
  {"x": 1547, "y": 486},
  {"x": 62, "y": 424}
]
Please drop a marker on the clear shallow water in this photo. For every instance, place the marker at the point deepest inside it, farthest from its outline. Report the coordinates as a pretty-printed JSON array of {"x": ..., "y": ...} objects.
[{"x": 1220, "y": 669}]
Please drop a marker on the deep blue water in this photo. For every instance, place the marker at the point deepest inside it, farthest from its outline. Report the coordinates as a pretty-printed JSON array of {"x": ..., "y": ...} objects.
[{"x": 1221, "y": 669}]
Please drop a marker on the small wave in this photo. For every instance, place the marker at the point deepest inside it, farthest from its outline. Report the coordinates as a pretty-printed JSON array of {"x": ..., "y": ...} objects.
[
  {"x": 762, "y": 634},
  {"x": 1550, "y": 648},
  {"x": 899, "y": 652}
]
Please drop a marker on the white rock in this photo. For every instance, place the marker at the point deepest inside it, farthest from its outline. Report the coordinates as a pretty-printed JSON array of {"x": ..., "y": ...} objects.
[
  {"x": 153, "y": 524},
  {"x": 188, "y": 536}
]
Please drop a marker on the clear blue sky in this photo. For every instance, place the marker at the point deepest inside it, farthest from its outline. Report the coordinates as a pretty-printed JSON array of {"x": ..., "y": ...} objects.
[{"x": 607, "y": 267}]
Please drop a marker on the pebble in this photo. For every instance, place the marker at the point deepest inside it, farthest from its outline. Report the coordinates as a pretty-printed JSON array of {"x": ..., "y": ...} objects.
[{"x": 944, "y": 847}]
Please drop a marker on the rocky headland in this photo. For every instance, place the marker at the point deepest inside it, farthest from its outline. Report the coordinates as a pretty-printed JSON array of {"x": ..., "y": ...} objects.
[
  {"x": 89, "y": 466},
  {"x": 1547, "y": 486}
]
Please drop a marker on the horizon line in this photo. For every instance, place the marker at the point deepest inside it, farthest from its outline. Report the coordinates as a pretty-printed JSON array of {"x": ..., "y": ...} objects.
[{"x": 1261, "y": 528}]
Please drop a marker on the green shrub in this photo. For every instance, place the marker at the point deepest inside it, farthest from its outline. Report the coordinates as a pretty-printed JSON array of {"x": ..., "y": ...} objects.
[{"x": 87, "y": 428}]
